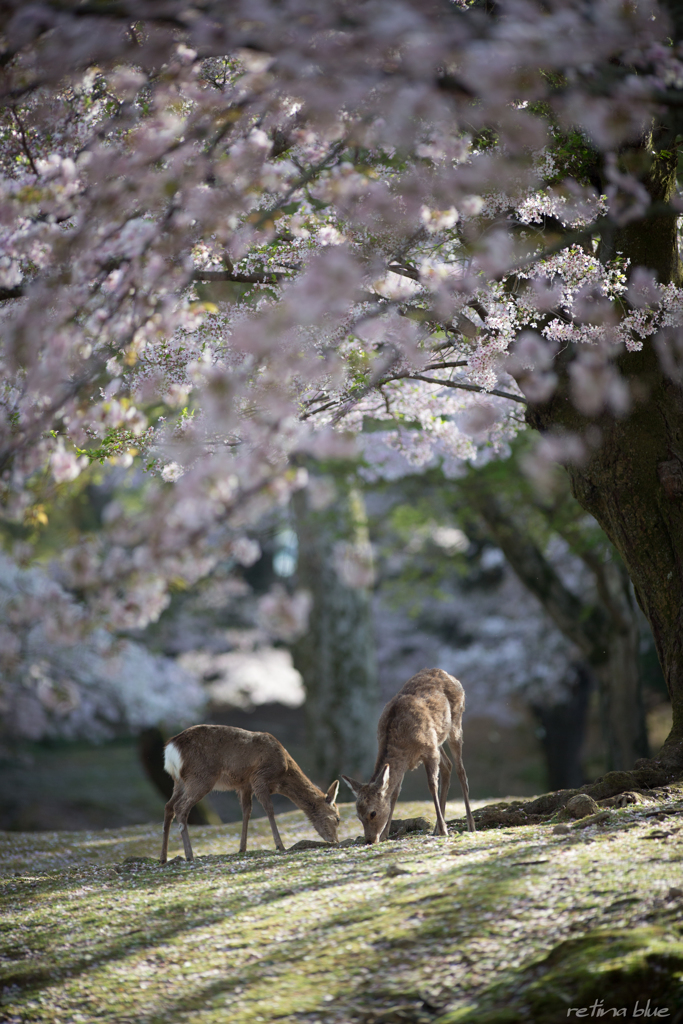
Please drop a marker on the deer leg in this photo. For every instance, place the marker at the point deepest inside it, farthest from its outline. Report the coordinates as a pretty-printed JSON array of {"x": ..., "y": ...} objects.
[
  {"x": 263, "y": 798},
  {"x": 455, "y": 743},
  {"x": 246, "y": 803},
  {"x": 169, "y": 815},
  {"x": 185, "y": 836},
  {"x": 394, "y": 797},
  {"x": 432, "y": 768},
  {"x": 184, "y": 804},
  {"x": 445, "y": 769}
]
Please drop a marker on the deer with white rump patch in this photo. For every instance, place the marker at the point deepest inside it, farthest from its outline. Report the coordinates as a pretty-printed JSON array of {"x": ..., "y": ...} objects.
[
  {"x": 208, "y": 757},
  {"x": 425, "y": 713}
]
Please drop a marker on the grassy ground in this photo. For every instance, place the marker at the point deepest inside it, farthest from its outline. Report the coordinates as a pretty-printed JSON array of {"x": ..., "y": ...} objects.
[{"x": 505, "y": 925}]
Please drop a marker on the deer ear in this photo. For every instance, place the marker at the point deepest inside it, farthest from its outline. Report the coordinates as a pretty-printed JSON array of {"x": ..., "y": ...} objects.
[
  {"x": 383, "y": 780},
  {"x": 332, "y": 792},
  {"x": 352, "y": 784}
]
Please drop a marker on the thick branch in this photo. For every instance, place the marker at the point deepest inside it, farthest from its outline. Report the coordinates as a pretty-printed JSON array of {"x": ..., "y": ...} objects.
[
  {"x": 445, "y": 366},
  {"x": 598, "y": 227},
  {"x": 24, "y": 142},
  {"x": 231, "y": 275},
  {"x": 584, "y": 625},
  {"x": 458, "y": 385}
]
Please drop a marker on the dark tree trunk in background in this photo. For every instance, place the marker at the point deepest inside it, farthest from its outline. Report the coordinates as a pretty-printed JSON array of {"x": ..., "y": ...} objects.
[
  {"x": 607, "y": 632},
  {"x": 151, "y": 744},
  {"x": 632, "y": 481},
  {"x": 621, "y": 699},
  {"x": 564, "y": 730},
  {"x": 336, "y": 657}
]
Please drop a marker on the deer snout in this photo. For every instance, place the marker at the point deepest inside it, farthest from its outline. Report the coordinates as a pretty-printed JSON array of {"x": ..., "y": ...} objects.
[{"x": 328, "y": 831}]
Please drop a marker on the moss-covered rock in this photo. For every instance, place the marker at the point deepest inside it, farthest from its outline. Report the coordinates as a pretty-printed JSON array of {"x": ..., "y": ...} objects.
[
  {"x": 603, "y": 970},
  {"x": 581, "y": 805}
]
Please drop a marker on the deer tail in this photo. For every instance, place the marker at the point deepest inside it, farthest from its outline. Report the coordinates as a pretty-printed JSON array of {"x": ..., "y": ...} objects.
[{"x": 173, "y": 761}]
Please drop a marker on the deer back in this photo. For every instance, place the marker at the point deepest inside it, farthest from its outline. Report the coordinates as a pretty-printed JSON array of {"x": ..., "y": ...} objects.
[
  {"x": 226, "y": 757},
  {"x": 420, "y": 717}
]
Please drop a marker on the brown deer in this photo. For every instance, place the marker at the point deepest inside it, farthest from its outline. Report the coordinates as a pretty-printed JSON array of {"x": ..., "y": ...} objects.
[
  {"x": 207, "y": 757},
  {"x": 425, "y": 713}
]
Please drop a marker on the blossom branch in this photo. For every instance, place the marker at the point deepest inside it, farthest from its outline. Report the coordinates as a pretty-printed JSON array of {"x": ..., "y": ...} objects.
[
  {"x": 301, "y": 182},
  {"x": 272, "y": 277},
  {"x": 461, "y": 386},
  {"x": 598, "y": 227},
  {"x": 24, "y": 141}
]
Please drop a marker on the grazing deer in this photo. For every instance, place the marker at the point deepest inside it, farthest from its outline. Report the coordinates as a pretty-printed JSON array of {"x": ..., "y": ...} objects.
[
  {"x": 207, "y": 757},
  {"x": 425, "y": 713}
]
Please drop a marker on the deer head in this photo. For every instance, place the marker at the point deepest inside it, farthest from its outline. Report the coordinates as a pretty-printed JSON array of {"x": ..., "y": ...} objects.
[
  {"x": 325, "y": 817},
  {"x": 373, "y": 803}
]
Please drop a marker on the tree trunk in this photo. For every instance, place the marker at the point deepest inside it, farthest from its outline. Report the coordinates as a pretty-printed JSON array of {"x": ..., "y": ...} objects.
[
  {"x": 621, "y": 701},
  {"x": 633, "y": 486},
  {"x": 632, "y": 481},
  {"x": 336, "y": 656},
  {"x": 564, "y": 730}
]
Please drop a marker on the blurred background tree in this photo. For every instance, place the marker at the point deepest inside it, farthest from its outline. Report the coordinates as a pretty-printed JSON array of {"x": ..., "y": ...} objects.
[{"x": 336, "y": 654}]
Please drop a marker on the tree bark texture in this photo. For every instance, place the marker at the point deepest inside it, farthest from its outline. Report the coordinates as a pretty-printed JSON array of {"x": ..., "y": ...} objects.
[
  {"x": 633, "y": 485},
  {"x": 606, "y": 632},
  {"x": 632, "y": 478},
  {"x": 336, "y": 656}
]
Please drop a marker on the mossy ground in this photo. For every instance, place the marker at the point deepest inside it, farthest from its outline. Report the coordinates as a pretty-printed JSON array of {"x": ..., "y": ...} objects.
[{"x": 509, "y": 924}]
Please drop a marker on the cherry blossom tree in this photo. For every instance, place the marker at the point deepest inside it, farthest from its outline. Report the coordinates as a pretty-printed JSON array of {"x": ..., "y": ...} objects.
[{"x": 236, "y": 234}]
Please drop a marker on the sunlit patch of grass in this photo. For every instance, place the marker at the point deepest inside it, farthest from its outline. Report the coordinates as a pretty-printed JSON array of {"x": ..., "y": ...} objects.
[{"x": 423, "y": 927}]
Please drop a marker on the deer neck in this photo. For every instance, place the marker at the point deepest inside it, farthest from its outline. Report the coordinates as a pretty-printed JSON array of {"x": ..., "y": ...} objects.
[
  {"x": 398, "y": 764},
  {"x": 299, "y": 789}
]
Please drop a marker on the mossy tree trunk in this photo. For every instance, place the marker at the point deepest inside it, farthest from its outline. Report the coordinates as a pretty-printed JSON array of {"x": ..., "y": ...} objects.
[
  {"x": 632, "y": 480},
  {"x": 633, "y": 486},
  {"x": 336, "y": 657}
]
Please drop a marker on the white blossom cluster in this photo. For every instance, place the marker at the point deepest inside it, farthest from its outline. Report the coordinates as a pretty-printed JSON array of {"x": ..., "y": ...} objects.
[{"x": 59, "y": 680}]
